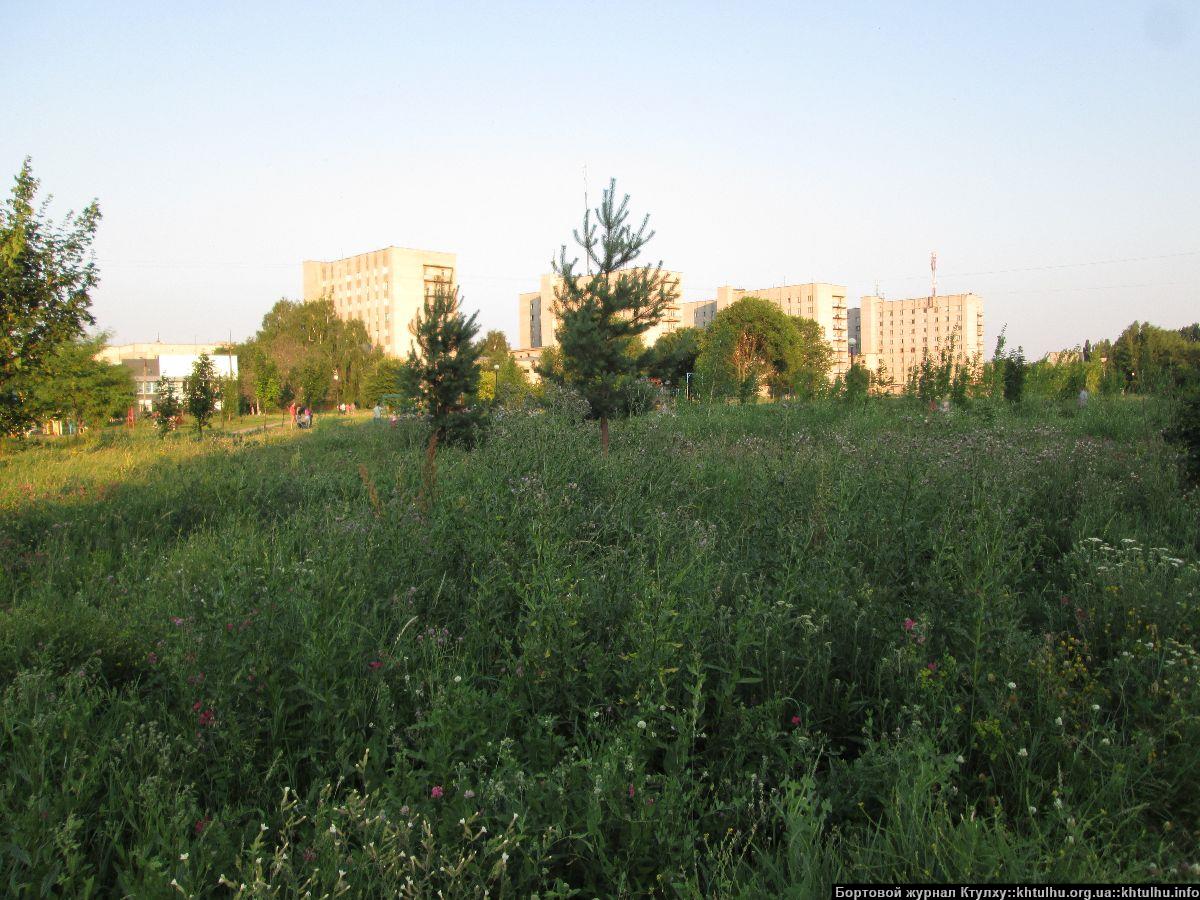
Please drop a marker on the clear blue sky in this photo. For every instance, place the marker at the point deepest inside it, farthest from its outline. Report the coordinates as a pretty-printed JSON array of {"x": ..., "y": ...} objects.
[{"x": 830, "y": 142}]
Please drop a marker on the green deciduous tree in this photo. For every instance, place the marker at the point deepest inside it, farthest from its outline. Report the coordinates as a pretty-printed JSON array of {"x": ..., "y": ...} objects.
[
  {"x": 72, "y": 384},
  {"x": 752, "y": 344},
  {"x": 201, "y": 391},
  {"x": 46, "y": 278},
  {"x": 304, "y": 344},
  {"x": 601, "y": 313},
  {"x": 503, "y": 381},
  {"x": 167, "y": 408},
  {"x": 673, "y": 355}
]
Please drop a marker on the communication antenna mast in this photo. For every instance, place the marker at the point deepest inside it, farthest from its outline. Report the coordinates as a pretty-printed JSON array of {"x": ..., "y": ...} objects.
[
  {"x": 933, "y": 273},
  {"x": 586, "y": 208}
]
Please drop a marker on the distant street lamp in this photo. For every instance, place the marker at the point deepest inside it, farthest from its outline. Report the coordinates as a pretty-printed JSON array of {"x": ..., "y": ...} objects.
[
  {"x": 687, "y": 386},
  {"x": 496, "y": 383}
]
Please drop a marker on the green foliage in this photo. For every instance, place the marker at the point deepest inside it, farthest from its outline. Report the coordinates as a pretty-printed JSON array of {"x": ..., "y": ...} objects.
[
  {"x": 502, "y": 380},
  {"x": 857, "y": 384},
  {"x": 1185, "y": 434},
  {"x": 1154, "y": 360},
  {"x": 941, "y": 377},
  {"x": 1014, "y": 376},
  {"x": 314, "y": 356},
  {"x": 73, "y": 385},
  {"x": 445, "y": 365},
  {"x": 201, "y": 391},
  {"x": 168, "y": 409},
  {"x": 754, "y": 651},
  {"x": 389, "y": 376},
  {"x": 46, "y": 278},
  {"x": 673, "y": 356},
  {"x": 602, "y": 314},
  {"x": 752, "y": 345}
]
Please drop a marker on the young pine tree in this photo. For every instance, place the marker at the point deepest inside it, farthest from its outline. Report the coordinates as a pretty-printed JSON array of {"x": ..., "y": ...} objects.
[
  {"x": 201, "y": 391},
  {"x": 601, "y": 313},
  {"x": 445, "y": 367}
]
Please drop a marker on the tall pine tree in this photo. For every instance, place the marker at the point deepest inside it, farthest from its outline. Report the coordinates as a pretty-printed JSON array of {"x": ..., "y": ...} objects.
[{"x": 602, "y": 313}]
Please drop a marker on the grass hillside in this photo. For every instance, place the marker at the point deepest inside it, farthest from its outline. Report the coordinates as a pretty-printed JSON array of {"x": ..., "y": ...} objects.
[{"x": 752, "y": 651}]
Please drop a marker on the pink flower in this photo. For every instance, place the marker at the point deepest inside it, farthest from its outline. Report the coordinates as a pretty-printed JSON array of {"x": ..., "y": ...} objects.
[
  {"x": 909, "y": 624},
  {"x": 200, "y": 825},
  {"x": 309, "y": 854},
  {"x": 152, "y": 658},
  {"x": 206, "y": 718},
  {"x": 229, "y": 626},
  {"x": 437, "y": 792},
  {"x": 375, "y": 664},
  {"x": 932, "y": 667},
  {"x": 175, "y": 620},
  {"x": 795, "y": 720},
  {"x": 196, "y": 706},
  {"x": 631, "y": 792}
]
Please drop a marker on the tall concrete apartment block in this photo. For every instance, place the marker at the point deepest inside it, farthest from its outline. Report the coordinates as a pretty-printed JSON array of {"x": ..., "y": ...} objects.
[
  {"x": 538, "y": 324},
  {"x": 383, "y": 289},
  {"x": 824, "y": 303},
  {"x": 898, "y": 334}
]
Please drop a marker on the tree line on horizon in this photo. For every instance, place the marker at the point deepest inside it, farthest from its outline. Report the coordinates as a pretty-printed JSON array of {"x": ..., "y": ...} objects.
[{"x": 304, "y": 353}]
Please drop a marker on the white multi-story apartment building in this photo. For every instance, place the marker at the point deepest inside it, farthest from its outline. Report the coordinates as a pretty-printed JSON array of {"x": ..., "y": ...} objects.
[
  {"x": 383, "y": 289},
  {"x": 899, "y": 334}
]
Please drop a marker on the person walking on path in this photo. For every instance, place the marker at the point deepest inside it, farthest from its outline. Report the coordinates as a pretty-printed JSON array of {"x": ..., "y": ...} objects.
[{"x": 377, "y": 412}]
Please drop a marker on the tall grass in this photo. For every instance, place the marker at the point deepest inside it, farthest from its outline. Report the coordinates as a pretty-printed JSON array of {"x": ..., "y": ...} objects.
[{"x": 752, "y": 651}]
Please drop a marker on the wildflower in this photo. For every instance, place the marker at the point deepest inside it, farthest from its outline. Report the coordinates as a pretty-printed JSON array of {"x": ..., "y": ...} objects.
[
  {"x": 1105, "y": 741},
  {"x": 176, "y": 621},
  {"x": 1058, "y": 802},
  {"x": 1095, "y": 707},
  {"x": 196, "y": 706},
  {"x": 1033, "y": 810},
  {"x": 1012, "y": 685},
  {"x": 207, "y": 717},
  {"x": 309, "y": 854},
  {"x": 152, "y": 658},
  {"x": 404, "y": 810},
  {"x": 932, "y": 667},
  {"x": 375, "y": 664},
  {"x": 795, "y": 720},
  {"x": 332, "y": 828},
  {"x": 631, "y": 792},
  {"x": 457, "y": 679},
  {"x": 200, "y": 825},
  {"x": 1058, "y": 721},
  {"x": 503, "y": 858},
  {"x": 642, "y": 724},
  {"x": 959, "y": 759},
  {"x": 183, "y": 857},
  {"x": 437, "y": 792},
  {"x": 1022, "y": 752},
  {"x": 909, "y": 624},
  {"x": 469, "y": 794}
]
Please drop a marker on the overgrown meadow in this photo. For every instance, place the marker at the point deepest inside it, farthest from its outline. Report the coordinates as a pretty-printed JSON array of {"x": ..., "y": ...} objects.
[{"x": 753, "y": 651}]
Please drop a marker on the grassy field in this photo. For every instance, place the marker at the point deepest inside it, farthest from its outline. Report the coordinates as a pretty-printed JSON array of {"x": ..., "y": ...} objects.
[{"x": 753, "y": 651}]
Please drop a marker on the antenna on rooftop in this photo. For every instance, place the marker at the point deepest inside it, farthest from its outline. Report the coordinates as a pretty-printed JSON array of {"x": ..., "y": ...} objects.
[
  {"x": 586, "y": 208},
  {"x": 933, "y": 274}
]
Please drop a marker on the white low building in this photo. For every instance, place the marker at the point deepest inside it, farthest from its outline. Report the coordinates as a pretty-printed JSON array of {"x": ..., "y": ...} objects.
[{"x": 154, "y": 364}]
